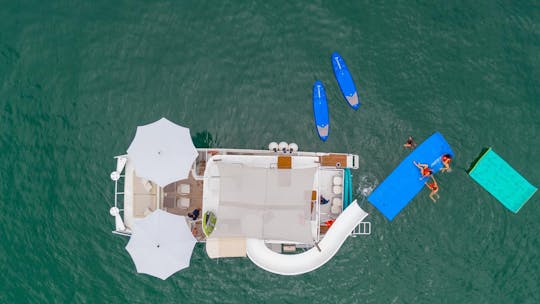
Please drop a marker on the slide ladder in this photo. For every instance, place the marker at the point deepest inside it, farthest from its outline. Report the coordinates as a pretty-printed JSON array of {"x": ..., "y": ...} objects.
[{"x": 364, "y": 228}]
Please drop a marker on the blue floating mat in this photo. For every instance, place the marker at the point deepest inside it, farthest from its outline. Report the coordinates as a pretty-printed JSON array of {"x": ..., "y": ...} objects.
[
  {"x": 402, "y": 185},
  {"x": 502, "y": 181}
]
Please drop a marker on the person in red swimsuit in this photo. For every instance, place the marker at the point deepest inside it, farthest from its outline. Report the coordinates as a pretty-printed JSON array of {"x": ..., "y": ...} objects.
[
  {"x": 446, "y": 159},
  {"x": 434, "y": 187},
  {"x": 424, "y": 170}
]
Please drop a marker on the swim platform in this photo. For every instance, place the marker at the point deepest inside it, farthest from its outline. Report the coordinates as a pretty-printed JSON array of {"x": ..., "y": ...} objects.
[
  {"x": 404, "y": 183},
  {"x": 501, "y": 180}
]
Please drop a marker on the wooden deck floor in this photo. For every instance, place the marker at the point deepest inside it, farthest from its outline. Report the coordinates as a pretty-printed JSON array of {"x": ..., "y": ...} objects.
[
  {"x": 173, "y": 196},
  {"x": 333, "y": 160}
]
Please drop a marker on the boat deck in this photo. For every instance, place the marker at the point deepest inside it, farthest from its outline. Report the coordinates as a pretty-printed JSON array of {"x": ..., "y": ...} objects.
[
  {"x": 331, "y": 189},
  {"x": 333, "y": 160},
  {"x": 183, "y": 197}
]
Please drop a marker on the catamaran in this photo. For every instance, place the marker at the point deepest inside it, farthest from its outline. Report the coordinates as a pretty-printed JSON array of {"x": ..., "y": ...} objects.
[{"x": 287, "y": 210}]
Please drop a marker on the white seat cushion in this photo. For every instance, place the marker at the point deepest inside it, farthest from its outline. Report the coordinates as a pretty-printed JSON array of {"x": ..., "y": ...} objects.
[
  {"x": 338, "y": 180},
  {"x": 337, "y": 201},
  {"x": 147, "y": 185},
  {"x": 184, "y": 188},
  {"x": 183, "y": 202},
  {"x": 335, "y": 209},
  {"x": 337, "y": 189},
  {"x": 147, "y": 211}
]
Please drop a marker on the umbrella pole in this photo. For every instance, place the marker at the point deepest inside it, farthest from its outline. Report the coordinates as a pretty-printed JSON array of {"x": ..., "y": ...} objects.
[{"x": 158, "y": 196}]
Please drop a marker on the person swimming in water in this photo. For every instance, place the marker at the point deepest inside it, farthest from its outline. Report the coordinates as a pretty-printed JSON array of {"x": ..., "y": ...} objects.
[
  {"x": 410, "y": 143},
  {"x": 424, "y": 169},
  {"x": 434, "y": 187},
  {"x": 446, "y": 159}
]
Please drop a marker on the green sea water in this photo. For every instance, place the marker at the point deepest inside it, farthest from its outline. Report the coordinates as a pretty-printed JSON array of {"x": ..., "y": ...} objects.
[{"x": 77, "y": 77}]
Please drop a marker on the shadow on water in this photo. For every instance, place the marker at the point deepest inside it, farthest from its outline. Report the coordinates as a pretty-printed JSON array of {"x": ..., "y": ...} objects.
[
  {"x": 473, "y": 163},
  {"x": 204, "y": 140}
]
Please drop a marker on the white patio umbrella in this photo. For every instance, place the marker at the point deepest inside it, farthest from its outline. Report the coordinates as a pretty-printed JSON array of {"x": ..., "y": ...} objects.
[
  {"x": 161, "y": 244},
  {"x": 162, "y": 152}
]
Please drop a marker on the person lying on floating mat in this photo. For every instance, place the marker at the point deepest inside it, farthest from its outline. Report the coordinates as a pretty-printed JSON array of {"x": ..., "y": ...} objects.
[
  {"x": 434, "y": 187},
  {"x": 425, "y": 171},
  {"x": 446, "y": 159}
]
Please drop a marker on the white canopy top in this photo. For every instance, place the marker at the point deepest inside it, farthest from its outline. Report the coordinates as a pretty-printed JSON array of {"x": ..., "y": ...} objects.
[
  {"x": 264, "y": 203},
  {"x": 162, "y": 152},
  {"x": 161, "y": 244}
]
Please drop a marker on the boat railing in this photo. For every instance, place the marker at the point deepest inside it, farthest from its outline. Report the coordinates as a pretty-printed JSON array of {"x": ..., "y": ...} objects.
[
  {"x": 116, "y": 177},
  {"x": 122, "y": 233}
]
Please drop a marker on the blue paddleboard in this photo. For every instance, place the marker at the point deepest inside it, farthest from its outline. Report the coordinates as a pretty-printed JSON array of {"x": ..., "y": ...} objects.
[
  {"x": 345, "y": 81},
  {"x": 320, "y": 110}
]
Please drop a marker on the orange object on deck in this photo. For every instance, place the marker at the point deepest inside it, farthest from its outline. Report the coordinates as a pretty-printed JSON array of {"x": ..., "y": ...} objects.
[{"x": 284, "y": 162}]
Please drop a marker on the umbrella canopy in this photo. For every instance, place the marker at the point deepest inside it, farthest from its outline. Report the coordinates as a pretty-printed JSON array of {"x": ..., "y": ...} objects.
[
  {"x": 161, "y": 244},
  {"x": 162, "y": 152}
]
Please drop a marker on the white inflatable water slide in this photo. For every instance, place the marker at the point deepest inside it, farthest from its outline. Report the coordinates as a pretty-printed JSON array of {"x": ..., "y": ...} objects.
[{"x": 295, "y": 264}]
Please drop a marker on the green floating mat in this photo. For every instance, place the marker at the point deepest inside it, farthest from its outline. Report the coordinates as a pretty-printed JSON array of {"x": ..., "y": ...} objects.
[{"x": 502, "y": 181}]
